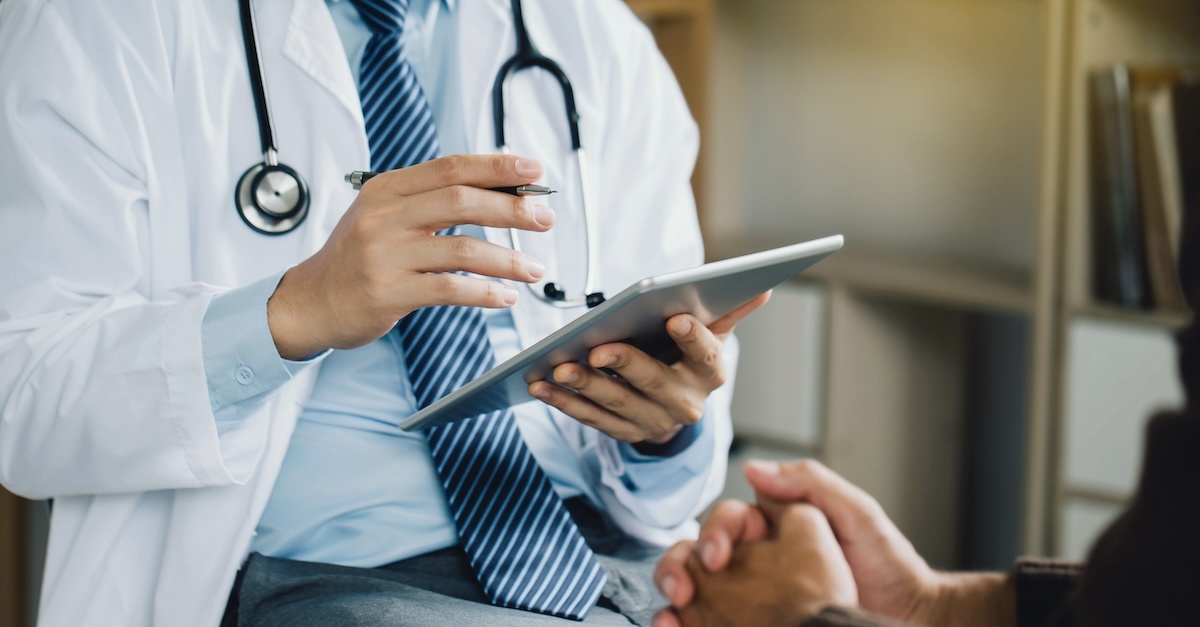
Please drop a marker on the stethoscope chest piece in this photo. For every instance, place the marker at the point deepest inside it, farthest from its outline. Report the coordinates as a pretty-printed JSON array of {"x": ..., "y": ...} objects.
[{"x": 272, "y": 199}]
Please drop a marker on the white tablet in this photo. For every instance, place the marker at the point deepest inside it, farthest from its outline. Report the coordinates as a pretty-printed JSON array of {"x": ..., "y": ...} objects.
[{"x": 636, "y": 316}]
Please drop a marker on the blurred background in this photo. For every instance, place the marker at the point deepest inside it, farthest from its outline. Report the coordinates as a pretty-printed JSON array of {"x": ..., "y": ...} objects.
[{"x": 983, "y": 354}]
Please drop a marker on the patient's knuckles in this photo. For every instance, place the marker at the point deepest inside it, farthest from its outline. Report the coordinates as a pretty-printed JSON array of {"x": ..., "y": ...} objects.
[
  {"x": 803, "y": 519},
  {"x": 728, "y": 509}
]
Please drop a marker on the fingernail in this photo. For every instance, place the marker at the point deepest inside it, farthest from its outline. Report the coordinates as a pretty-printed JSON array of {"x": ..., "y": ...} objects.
[
  {"x": 540, "y": 393},
  {"x": 543, "y": 215},
  {"x": 763, "y": 467},
  {"x": 604, "y": 362},
  {"x": 508, "y": 294},
  {"x": 708, "y": 555},
  {"x": 569, "y": 378},
  {"x": 528, "y": 167},
  {"x": 536, "y": 268},
  {"x": 683, "y": 326},
  {"x": 669, "y": 587}
]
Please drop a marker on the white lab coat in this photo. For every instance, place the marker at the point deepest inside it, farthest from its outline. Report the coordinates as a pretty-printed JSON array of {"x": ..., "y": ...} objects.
[{"x": 123, "y": 129}]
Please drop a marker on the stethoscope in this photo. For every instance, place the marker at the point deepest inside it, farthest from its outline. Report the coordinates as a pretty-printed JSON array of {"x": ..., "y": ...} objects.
[
  {"x": 528, "y": 56},
  {"x": 273, "y": 199}
]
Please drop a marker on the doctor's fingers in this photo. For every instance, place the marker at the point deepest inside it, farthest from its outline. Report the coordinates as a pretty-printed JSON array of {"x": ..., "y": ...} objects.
[
  {"x": 472, "y": 170},
  {"x": 432, "y": 290},
  {"x": 656, "y": 417},
  {"x": 701, "y": 350},
  {"x": 682, "y": 392},
  {"x": 652, "y": 421},
  {"x": 462, "y": 253},
  {"x": 461, "y": 204}
]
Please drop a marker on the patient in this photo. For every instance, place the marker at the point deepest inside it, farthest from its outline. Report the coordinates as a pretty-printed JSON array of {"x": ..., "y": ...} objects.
[{"x": 818, "y": 551}]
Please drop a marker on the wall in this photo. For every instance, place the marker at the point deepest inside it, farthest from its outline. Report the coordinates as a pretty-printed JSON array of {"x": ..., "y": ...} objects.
[{"x": 910, "y": 124}]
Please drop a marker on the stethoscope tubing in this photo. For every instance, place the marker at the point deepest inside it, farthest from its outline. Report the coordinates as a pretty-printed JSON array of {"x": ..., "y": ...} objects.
[
  {"x": 262, "y": 106},
  {"x": 527, "y": 56},
  {"x": 270, "y": 197}
]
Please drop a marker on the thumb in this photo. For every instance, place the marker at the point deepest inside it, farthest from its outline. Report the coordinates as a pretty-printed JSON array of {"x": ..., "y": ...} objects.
[
  {"x": 850, "y": 510},
  {"x": 779, "y": 481}
]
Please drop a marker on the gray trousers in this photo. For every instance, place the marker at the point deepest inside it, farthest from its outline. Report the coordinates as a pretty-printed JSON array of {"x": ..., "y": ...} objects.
[{"x": 437, "y": 588}]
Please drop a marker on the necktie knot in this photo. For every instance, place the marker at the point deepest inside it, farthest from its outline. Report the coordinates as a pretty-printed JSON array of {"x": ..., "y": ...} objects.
[{"x": 383, "y": 17}]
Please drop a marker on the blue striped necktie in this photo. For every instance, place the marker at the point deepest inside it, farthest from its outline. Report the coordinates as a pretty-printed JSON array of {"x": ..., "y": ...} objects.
[{"x": 521, "y": 542}]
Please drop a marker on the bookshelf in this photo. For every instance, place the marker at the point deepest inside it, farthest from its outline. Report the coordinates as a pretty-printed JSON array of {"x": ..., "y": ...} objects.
[
  {"x": 1166, "y": 320},
  {"x": 948, "y": 141},
  {"x": 1093, "y": 34}
]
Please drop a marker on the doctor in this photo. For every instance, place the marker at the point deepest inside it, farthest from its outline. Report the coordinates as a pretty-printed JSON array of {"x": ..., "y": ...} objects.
[{"x": 191, "y": 392}]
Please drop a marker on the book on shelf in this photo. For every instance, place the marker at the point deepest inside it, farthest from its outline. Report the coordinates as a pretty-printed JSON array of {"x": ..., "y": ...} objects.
[
  {"x": 1186, "y": 105},
  {"x": 1160, "y": 191},
  {"x": 1117, "y": 269},
  {"x": 1138, "y": 184}
]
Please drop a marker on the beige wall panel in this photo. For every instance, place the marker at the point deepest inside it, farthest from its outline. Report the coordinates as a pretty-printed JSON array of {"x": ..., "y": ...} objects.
[{"x": 904, "y": 124}]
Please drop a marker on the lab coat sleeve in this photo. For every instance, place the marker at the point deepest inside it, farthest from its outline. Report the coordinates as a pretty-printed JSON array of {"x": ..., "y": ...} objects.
[
  {"x": 649, "y": 150},
  {"x": 102, "y": 387}
]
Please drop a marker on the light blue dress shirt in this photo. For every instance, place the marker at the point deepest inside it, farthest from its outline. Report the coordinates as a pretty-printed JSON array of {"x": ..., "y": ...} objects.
[{"x": 354, "y": 489}]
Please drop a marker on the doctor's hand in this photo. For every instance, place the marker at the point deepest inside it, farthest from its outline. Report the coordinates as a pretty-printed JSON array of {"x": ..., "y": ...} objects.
[
  {"x": 648, "y": 400},
  {"x": 383, "y": 259}
]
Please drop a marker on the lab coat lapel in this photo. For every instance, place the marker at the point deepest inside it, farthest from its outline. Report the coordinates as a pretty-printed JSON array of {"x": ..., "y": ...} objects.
[{"x": 313, "y": 44}]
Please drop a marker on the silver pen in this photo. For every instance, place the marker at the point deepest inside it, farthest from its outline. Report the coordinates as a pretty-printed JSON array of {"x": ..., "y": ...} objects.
[{"x": 357, "y": 178}]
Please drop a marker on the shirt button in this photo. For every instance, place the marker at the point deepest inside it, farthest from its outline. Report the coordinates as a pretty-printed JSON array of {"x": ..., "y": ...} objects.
[{"x": 244, "y": 375}]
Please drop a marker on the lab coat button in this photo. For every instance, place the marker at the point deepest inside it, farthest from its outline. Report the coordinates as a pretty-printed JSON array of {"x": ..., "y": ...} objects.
[{"x": 244, "y": 375}]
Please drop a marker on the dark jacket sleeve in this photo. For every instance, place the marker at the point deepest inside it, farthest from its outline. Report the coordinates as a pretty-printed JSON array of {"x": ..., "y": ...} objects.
[
  {"x": 1044, "y": 590},
  {"x": 845, "y": 617}
]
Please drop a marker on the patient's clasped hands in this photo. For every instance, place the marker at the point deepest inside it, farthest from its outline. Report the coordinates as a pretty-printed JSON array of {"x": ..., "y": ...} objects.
[{"x": 814, "y": 541}]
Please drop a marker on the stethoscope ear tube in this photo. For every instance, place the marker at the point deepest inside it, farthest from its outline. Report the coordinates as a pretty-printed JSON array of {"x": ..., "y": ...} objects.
[
  {"x": 527, "y": 56},
  {"x": 266, "y": 127}
]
